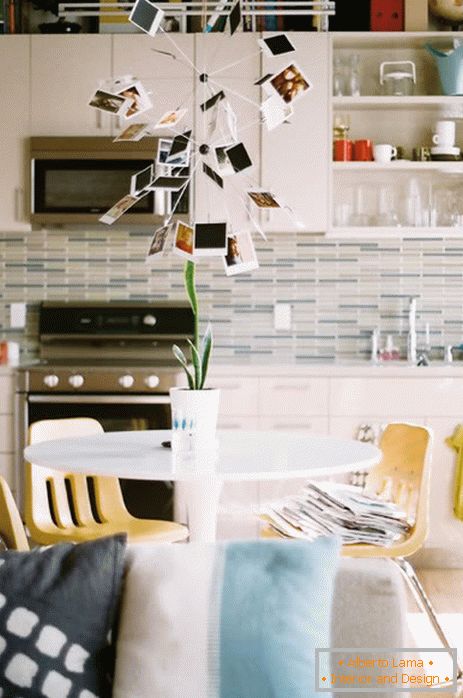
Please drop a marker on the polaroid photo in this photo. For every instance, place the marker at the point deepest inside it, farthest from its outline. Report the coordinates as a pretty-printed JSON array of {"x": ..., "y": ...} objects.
[
  {"x": 139, "y": 99},
  {"x": 275, "y": 112},
  {"x": 183, "y": 243},
  {"x": 224, "y": 166},
  {"x": 141, "y": 180},
  {"x": 263, "y": 199},
  {"x": 168, "y": 183},
  {"x": 164, "y": 148},
  {"x": 239, "y": 158},
  {"x": 241, "y": 254},
  {"x": 213, "y": 175},
  {"x": 170, "y": 118},
  {"x": 119, "y": 208},
  {"x": 290, "y": 83},
  {"x": 109, "y": 102},
  {"x": 212, "y": 101},
  {"x": 146, "y": 16},
  {"x": 276, "y": 45},
  {"x": 210, "y": 239},
  {"x": 134, "y": 132},
  {"x": 180, "y": 146},
  {"x": 158, "y": 242},
  {"x": 263, "y": 79},
  {"x": 234, "y": 17}
]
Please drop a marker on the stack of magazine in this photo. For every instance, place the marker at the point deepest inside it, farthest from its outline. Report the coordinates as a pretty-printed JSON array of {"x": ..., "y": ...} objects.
[{"x": 334, "y": 508}]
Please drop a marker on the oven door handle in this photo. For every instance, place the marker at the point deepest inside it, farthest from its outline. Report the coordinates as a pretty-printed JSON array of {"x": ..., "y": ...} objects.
[{"x": 102, "y": 399}]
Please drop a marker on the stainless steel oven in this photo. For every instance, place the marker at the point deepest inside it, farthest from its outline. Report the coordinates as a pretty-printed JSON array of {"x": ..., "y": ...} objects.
[{"x": 110, "y": 362}]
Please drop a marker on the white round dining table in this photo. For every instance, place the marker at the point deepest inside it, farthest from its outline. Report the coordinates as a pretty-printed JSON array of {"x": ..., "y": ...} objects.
[{"x": 198, "y": 476}]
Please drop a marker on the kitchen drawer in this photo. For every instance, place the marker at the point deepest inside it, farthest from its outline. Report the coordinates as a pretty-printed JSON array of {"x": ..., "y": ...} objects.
[
  {"x": 294, "y": 396},
  {"x": 6, "y": 467},
  {"x": 238, "y": 422},
  {"x": 238, "y": 396},
  {"x": 403, "y": 398},
  {"x": 315, "y": 425},
  {"x": 6, "y": 433}
]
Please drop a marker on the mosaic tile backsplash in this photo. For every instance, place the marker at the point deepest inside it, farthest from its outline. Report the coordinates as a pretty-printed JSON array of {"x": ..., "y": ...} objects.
[{"x": 339, "y": 290}]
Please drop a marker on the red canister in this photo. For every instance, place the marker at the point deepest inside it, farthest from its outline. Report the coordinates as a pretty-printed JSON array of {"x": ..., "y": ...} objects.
[
  {"x": 342, "y": 149},
  {"x": 363, "y": 150}
]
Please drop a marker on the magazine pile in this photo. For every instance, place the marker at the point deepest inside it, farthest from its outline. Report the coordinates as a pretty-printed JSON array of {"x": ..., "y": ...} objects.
[{"x": 340, "y": 509}]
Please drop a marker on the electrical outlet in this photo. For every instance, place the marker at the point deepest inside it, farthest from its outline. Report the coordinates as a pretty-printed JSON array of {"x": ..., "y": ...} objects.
[
  {"x": 282, "y": 316},
  {"x": 18, "y": 315}
]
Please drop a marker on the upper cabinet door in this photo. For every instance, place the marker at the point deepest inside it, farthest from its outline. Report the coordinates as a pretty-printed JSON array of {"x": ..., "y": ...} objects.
[
  {"x": 296, "y": 156},
  {"x": 65, "y": 72},
  {"x": 232, "y": 66},
  {"x": 14, "y": 117}
]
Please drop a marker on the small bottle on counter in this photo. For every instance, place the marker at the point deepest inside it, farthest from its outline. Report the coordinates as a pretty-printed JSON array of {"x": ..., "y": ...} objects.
[{"x": 390, "y": 351}]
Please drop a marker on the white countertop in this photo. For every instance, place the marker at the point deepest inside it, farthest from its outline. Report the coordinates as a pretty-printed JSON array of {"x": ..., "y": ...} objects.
[{"x": 353, "y": 369}]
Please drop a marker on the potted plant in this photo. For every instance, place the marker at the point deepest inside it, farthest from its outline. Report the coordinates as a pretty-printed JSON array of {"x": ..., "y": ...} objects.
[{"x": 194, "y": 408}]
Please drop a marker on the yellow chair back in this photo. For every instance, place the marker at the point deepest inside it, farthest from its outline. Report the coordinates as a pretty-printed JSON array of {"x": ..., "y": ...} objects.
[{"x": 11, "y": 527}]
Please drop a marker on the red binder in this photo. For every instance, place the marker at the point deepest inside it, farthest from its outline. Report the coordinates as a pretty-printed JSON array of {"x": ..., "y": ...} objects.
[{"x": 387, "y": 15}]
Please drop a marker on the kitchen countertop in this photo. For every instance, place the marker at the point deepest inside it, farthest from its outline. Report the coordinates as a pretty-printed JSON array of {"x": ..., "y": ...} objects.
[{"x": 359, "y": 369}]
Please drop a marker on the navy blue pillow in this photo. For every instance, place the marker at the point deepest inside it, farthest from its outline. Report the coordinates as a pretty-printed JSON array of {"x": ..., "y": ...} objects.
[{"x": 57, "y": 611}]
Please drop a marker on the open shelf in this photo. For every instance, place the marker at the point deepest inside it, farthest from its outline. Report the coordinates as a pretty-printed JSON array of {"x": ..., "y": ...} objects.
[
  {"x": 376, "y": 232},
  {"x": 447, "y": 166},
  {"x": 413, "y": 102}
]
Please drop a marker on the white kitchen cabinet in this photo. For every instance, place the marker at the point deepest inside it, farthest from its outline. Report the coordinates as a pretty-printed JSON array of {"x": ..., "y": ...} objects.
[
  {"x": 287, "y": 395},
  {"x": 15, "y": 122},
  {"x": 314, "y": 425},
  {"x": 239, "y": 397},
  {"x": 403, "y": 196},
  {"x": 65, "y": 72},
  {"x": 295, "y": 156}
]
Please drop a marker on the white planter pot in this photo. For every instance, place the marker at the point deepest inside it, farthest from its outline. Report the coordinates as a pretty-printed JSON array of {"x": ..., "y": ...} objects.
[{"x": 194, "y": 418}]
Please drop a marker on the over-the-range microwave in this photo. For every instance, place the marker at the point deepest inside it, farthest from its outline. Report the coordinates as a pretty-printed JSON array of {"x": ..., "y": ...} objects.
[{"x": 75, "y": 180}]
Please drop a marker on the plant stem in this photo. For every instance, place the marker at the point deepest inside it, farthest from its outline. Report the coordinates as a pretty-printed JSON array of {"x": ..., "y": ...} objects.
[{"x": 189, "y": 274}]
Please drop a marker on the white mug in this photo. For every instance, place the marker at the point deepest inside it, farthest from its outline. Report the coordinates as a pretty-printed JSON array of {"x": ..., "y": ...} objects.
[
  {"x": 444, "y": 134},
  {"x": 383, "y": 152}
]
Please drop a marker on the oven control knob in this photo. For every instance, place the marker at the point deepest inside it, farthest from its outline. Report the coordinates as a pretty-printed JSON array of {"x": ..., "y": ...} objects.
[
  {"x": 126, "y": 381},
  {"x": 50, "y": 380},
  {"x": 76, "y": 381},
  {"x": 152, "y": 381},
  {"x": 149, "y": 320}
]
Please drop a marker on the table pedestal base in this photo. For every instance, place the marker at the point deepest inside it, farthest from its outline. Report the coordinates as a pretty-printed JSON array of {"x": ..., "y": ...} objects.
[{"x": 196, "y": 504}]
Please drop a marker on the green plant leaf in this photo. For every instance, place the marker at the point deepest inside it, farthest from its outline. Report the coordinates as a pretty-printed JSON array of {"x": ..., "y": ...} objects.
[
  {"x": 196, "y": 364},
  {"x": 206, "y": 348},
  {"x": 181, "y": 358},
  {"x": 190, "y": 286}
]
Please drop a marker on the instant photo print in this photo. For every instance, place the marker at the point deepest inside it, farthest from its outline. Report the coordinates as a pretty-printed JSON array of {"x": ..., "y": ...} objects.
[
  {"x": 164, "y": 148},
  {"x": 158, "y": 242},
  {"x": 146, "y": 16},
  {"x": 170, "y": 118},
  {"x": 169, "y": 183},
  {"x": 116, "y": 211},
  {"x": 276, "y": 45},
  {"x": 239, "y": 158},
  {"x": 109, "y": 102},
  {"x": 224, "y": 166},
  {"x": 290, "y": 83},
  {"x": 180, "y": 145},
  {"x": 212, "y": 101},
  {"x": 139, "y": 99},
  {"x": 141, "y": 180},
  {"x": 241, "y": 254},
  {"x": 183, "y": 244},
  {"x": 263, "y": 199},
  {"x": 210, "y": 239},
  {"x": 134, "y": 132},
  {"x": 263, "y": 79},
  {"x": 213, "y": 175},
  {"x": 235, "y": 17},
  {"x": 275, "y": 112}
]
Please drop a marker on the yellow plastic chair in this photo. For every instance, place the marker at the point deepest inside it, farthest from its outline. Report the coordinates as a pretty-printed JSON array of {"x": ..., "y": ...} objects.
[
  {"x": 403, "y": 477},
  {"x": 12, "y": 530},
  {"x": 58, "y": 505}
]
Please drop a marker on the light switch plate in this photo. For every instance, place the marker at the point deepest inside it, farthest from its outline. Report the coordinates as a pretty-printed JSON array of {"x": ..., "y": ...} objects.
[
  {"x": 282, "y": 316},
  {"x": 17, "y": 315}
]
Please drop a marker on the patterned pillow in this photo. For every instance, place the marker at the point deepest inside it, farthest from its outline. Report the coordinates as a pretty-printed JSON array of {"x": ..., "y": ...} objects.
[{"x": 57, "y": 608}]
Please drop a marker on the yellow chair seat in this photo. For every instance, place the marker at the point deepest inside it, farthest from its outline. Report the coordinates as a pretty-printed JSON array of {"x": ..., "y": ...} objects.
[{"x": 59, "y": 505}]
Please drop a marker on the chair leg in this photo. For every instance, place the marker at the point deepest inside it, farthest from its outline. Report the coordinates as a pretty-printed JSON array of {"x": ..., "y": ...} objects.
[{"x": 425, "y": 604}]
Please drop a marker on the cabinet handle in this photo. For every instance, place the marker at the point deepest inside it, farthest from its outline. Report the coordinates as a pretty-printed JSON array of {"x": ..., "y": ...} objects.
[
  {"x": 18, "y": 203},
  {"x": 298, "y": 388}
]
